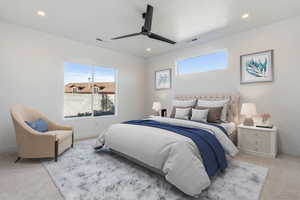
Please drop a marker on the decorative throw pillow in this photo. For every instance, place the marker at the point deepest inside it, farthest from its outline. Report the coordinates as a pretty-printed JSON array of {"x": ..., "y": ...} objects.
[
  {"x": 199, "y": 115},
  {"x": 215, "y": 103},
  {"x": 181, "y": 104},
  {"x": 38, "y": 125},
  {"x": 214, "y": 113},
  {"x": 182, "y": 113},
  {"x": 176, "y": 107}
]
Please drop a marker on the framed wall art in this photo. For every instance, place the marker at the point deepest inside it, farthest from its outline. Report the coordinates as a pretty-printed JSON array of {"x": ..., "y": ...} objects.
[
  {"x": 257, "y": 67},
  {"x": 163, "y": 79}
]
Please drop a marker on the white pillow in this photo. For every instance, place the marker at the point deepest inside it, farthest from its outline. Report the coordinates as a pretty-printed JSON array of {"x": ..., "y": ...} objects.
[
  {"x": 182, "y": 113},
  {"x": 217, "y": 103},
  {"x": 199, "y": 115},
  {"x": 181, "y": 103}
]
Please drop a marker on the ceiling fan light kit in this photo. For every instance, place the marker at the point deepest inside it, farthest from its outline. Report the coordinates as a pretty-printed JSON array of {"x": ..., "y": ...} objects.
[{"x": 146, "y": 29}]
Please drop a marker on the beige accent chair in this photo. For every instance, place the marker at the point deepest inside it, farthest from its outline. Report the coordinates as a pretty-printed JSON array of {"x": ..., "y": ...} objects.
[{"x": 34, "y": 144}]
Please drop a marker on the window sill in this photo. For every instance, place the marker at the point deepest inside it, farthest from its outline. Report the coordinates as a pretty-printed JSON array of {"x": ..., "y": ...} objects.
[{"x": 96, "y": 117}]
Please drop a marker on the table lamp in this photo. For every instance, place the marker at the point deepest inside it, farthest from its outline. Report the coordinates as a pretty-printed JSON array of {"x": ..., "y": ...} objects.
[
  {"x": 249, "y": 110},
  {"x": 156, "y": 107}
]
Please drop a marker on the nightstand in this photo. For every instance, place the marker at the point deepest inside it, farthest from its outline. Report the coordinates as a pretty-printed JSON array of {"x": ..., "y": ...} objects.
[{"x": 257, "y": 141}]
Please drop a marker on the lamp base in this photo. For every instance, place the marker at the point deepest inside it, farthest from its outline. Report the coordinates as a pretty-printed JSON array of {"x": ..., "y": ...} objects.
[{"x": 248, "y": 122}]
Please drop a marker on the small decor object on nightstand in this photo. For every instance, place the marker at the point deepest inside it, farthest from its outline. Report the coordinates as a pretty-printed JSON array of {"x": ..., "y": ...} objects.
[
  {"x": 265, "y": 122},
  {"x": 163, "y": 112},
  {"x": 257, "y": 67},
  {"x": 249, "y": 110},
  {"x": 156, "y": 107},
  {"x": 163, "y": 79},
  {"x": 265, "y": 117}
]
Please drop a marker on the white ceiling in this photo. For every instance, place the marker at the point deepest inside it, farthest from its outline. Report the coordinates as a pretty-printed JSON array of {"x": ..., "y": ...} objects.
[{"x": 179, "y": 20}]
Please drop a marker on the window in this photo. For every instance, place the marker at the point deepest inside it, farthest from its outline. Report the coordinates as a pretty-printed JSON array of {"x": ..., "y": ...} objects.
[
  {"x": 96, "y": 90},
  {"x": 209, "y": 62},
  {"x": 89, "y": 91},
  {"x": 74, "y": 90}
]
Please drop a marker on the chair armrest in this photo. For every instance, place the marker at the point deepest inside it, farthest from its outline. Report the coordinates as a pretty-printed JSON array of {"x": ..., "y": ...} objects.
[
  {"x": 56, "y": 127},
  {"x": 52, "y": 126}
]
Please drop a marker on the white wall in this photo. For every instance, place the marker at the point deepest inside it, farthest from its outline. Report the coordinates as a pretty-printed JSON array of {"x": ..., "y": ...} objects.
[
  {"x": 32, "y": 73},
  {"x": 281, "y": 98}
]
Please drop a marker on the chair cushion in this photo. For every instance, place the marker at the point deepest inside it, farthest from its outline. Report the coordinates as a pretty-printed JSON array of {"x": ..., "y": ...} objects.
[
  {"x": 61, "y": 135},
  {"x": 38, "y": 125}
]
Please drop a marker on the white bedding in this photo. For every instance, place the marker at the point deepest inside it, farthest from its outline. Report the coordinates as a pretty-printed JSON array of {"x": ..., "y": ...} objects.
[
  {"x": 230, "y": 127},
  {"x": 175, "y": 155}
]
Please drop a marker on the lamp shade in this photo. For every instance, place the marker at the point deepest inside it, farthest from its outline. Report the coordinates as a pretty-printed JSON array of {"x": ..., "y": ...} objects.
[
  {"x": 248, "y": 109},
  {"x": 156, "y": 106}
]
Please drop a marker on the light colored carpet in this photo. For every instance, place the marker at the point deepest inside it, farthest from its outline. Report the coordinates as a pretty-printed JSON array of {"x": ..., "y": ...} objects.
[{"x": 81, "y": 173}]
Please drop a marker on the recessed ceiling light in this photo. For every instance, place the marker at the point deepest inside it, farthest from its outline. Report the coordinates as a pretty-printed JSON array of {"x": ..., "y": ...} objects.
[
  {"x": 148, "y": 49},
  {"x": 245, "y": 16},
  {"x": 41, "y": 13}
]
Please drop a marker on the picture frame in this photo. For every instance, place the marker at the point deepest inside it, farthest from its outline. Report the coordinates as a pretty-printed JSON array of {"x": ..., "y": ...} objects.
[
  {"x": 257, "y": 67},
  {"x": 163, "y": 79}
]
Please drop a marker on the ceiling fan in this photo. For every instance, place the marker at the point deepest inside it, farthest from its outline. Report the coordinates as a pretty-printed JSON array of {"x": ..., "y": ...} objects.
[{"x": 146, "y": 29}]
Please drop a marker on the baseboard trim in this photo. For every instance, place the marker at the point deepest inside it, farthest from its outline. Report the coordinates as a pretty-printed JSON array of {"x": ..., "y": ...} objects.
[
  {"x": 267, "y": 155},
  {"x": 8, "y": 150}
]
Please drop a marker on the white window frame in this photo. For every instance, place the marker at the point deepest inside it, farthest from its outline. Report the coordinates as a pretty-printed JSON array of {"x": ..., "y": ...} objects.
[
  {"x": 95, "y": 90},
  {"x": 92, "y": 96},
  {"x": 200, "y": 55},
  {"x": 73, "y": 90}
]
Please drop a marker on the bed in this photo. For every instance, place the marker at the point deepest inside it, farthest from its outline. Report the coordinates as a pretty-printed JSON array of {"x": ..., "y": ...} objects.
[
  {"x": 163, "y": 145},
  {"x": 233, "y": 114}
]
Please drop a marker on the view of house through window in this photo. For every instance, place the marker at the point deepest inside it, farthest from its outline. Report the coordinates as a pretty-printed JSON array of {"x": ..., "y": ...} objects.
[
  {"x": 209, "y": 62},
  {"x": 89, "y": 90}
]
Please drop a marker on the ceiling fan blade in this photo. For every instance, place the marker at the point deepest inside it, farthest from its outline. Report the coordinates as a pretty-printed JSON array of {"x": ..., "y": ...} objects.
[
  {"x": 126, "y": 36},
  {"x": 158, "y": 37},
  {"x": 98, "y": 39},
  {"x": 148, "y": 18}
]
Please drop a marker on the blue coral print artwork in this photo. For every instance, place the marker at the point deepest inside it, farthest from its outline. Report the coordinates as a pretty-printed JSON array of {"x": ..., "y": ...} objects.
[{"x": 257, "y": 67}]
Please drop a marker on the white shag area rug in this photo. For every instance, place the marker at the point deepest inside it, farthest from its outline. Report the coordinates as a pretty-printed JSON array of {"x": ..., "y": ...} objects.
[{"x": 83, "y": 174}]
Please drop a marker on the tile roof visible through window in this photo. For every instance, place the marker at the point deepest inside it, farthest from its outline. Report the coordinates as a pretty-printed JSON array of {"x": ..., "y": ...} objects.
[{"x": 87, "y": 88}]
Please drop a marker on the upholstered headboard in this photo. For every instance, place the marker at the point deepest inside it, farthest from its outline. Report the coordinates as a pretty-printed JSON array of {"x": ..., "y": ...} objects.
[{"x": 233, "y": 114}]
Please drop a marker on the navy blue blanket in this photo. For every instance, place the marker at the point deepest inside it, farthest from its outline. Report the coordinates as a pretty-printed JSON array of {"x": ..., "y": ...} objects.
[
  {"x": 211, "y": 150},
  {"x": 214, "y": 124}
]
